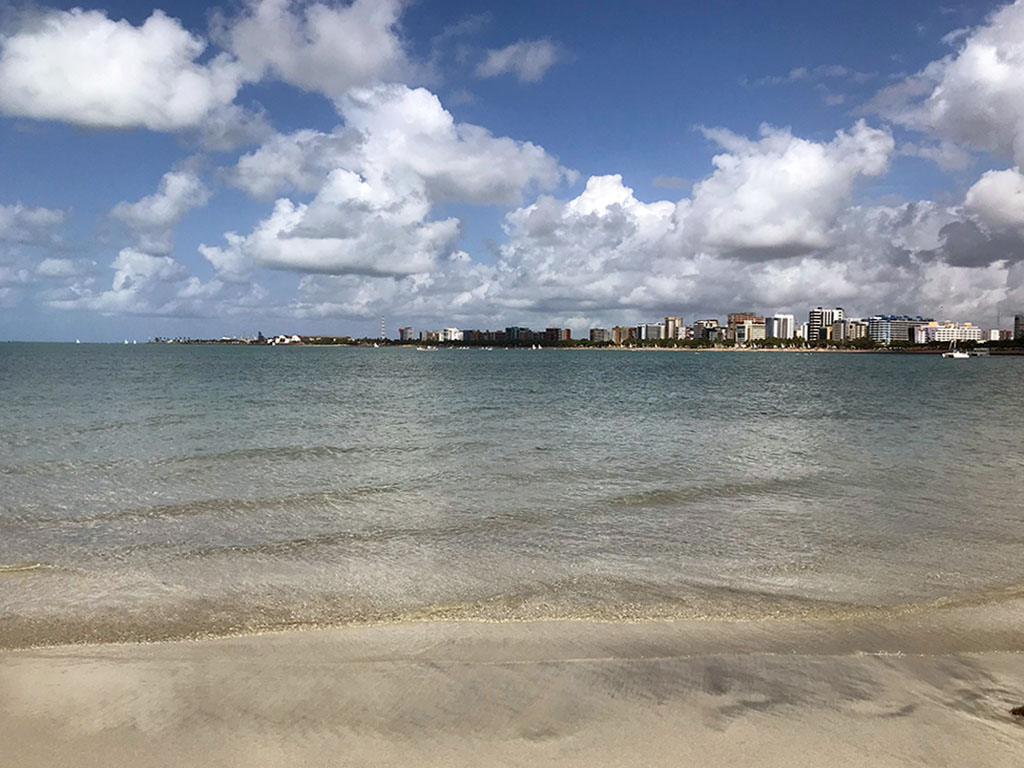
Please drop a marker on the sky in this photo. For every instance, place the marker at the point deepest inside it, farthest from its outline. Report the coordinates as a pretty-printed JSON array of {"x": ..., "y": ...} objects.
[{"x": 195, "y": 170}]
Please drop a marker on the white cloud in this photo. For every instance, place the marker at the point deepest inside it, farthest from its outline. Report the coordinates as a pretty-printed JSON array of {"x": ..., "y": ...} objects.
[
  {"x": 605, "y": 257},
  {"x": 376, "y": 180},
  {"x": 27, "y": 224},
  {"x": 781, "y": 195},
  {"x": 85, "y": 68},
  {"x": 326, "y": 47},
  {"x": 153, "y": 219},
  {"x": 144, "y": 284},
  {"x": 998, "y": 199},
  {"x": 344, "y": 230},
  {"x": 528, "y": 60},
  {"x": 974, "y": 97},
  {"x": 51, "y": 267}
]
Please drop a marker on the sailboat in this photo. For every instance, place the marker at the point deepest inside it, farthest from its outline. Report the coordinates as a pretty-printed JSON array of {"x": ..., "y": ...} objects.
[
  {"x": 954, "y": 353},
  {"x": 78, "y": 341}
]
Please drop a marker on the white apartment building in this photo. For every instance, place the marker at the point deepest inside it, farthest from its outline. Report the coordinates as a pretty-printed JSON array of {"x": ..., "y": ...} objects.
[
  {"x": 749, "y": 331},
  {"x": 674, "y": 328},
  {"x": 650, "y": 331},
  {"x": 780, "y": 327},
  {"x": 946, "y": 332},
  {"x": 820, "y": 318}
]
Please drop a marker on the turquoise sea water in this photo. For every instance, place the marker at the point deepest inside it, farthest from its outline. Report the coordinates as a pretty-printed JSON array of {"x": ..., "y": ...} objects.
[{"x": 158, "y": 491}]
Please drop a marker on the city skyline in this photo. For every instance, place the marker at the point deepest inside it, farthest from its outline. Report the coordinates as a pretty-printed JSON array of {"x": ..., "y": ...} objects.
[{"x": 318, "y": 165}]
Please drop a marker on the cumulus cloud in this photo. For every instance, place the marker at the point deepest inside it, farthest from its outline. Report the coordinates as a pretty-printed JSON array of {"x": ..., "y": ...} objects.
[
  {"x": 376, "y": 181},
  {"x": 973, "y": 97},
  {"x": 322, "y": 46},
  {"x": 780, "y": 195},
  {"x": 605, "y": 257},
  {"x": 998, "y": 199},
  {"x": 153, "y": 219},
  {"x": 85, "y": 68},
  {"x": 144, "y": 284},
  {"x": 29, "y": 225},
  {"x": 528, "y": 60},
  {"x": 347, "y": 229}
]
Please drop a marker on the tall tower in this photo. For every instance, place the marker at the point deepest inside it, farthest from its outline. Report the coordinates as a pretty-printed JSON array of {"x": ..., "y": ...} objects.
[{"x": 383, "y": 333}]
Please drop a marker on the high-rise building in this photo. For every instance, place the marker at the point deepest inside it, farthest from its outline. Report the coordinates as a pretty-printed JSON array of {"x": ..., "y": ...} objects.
[
  {"x": 1018, "y": 326},
  {"x": 705, "y": 329},
  {"x": 886, "y": 329},
  {"x": 623, "y": 334},
  {"x": 674, "y": 328},
  {"x": 518, "y": 335},
  {"x": 650, "y": 331},
  {"x": 819, "y": 319},
  {"x": 600, "y": 335},
  {"x": 780, "y": 327},
  {"x": 735, "y": 318},
  {"x": 748, "y": 331},
  {"x": 849, "y": 330},
  {"x": 407, "y": 334},
  {"x": 451, "y": 334}
]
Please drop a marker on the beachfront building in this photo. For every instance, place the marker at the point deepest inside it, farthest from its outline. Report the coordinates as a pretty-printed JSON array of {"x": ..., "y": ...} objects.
[
  {"x": 557, "y": 334},
  {"x": 430, "y": 337},
  {"x": 516, "y": 334},
  {"x": 946, "y": 332},
  {"x": 623, "y": 334},
  {"x": 780, "y": 327},
  {"x": 849, "y": 330},
  {"x": 820, "y": 321},
  {"x": 650, "y": 331},
  {"x": 1018, "y": 326},
  {"x": 600, "y": 335},
  {"x": 749, "y": 331},
  {"x": 735, "y": 318},
  {"x": 407, "y": 334},
  {"x": 451, "y": 334},
  {"x": 674, "y": 328},
  {"x": 886, "y": 329},
  {"x": 705, "y": 330}
]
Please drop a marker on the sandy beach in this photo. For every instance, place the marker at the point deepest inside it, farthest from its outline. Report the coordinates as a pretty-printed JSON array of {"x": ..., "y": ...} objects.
[{"x": 929, "y": 688}]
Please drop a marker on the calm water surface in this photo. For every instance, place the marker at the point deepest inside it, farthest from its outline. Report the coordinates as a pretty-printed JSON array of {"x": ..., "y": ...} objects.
[{"x": 165, "y": 491}]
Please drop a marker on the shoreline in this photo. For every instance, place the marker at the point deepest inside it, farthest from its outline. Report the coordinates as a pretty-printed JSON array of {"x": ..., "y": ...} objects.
[{"x": 932, "y": 690}]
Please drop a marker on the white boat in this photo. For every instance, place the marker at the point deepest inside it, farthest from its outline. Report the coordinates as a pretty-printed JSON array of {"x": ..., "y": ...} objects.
[
  {"x": 78, "y": 341},
  {"x": 126, "y": 341},
  {"x": 954, "y": 353}
]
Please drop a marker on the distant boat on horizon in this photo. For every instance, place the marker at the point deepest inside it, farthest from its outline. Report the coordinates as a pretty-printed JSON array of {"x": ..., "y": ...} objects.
[{"x": 78, "y": 341}]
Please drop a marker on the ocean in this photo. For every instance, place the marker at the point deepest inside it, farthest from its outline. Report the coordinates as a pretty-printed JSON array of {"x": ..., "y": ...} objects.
[{"x": 167, "y": 491}]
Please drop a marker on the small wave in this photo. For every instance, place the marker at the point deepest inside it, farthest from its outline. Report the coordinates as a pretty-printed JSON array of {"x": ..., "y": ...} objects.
[
  {"x": 665, "y": 496},
  {"x": 221, "y": 507},
  {"x": 22, "y": 567}
]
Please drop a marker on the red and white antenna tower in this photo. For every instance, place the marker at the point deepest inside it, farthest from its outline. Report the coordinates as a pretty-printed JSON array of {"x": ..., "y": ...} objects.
[{"x": 383, "y": 333}]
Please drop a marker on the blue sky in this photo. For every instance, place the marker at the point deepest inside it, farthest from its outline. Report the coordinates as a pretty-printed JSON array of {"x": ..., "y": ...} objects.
[{"x": 191, "y": 170}]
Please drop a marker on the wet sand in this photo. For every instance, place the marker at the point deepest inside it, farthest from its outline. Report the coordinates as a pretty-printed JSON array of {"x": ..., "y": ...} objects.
[{"x": 931, "y": 689}]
